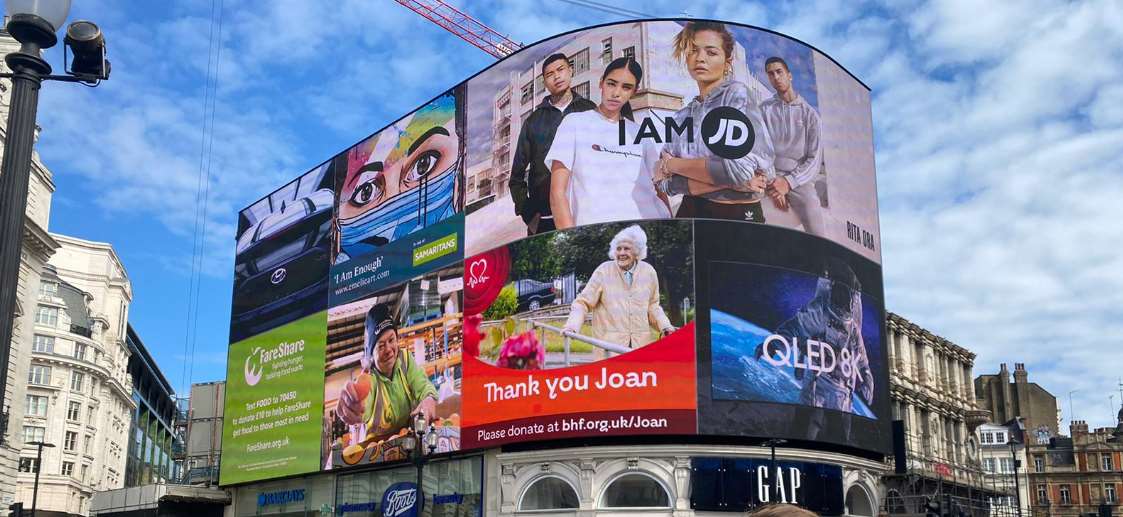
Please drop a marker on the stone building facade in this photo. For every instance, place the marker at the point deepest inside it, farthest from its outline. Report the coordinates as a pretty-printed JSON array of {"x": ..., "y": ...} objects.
[
  {"x": 933, "y": 396},
  {"x": 78, "y": 393},
  {"x": 1003, "y": 454},
  {"x": 1077, "y": 475},
  {"x": 596, "y": 476},
  {"x": 38, "y": 246},
  {"x": 1019, "y": 399}
]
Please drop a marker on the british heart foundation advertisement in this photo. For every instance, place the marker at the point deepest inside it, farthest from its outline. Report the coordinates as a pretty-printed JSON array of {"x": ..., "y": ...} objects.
[{"x": 561, "y": 343}]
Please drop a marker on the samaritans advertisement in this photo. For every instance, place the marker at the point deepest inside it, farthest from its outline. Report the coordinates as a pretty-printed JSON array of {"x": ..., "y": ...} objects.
[{"x": 274, "y": 402}]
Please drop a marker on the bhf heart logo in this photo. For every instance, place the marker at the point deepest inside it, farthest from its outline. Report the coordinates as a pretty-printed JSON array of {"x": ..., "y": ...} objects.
[{"x": 477, "y": 273}]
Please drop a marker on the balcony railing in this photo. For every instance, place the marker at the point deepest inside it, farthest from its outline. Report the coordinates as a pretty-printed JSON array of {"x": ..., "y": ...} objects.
[{"x": 202, "y": 475}]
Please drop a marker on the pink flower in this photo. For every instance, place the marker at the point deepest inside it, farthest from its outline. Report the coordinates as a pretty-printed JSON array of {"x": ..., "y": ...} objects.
[
  {"x": 522, "y": 352},
  {"x": 473, "y": 335}
]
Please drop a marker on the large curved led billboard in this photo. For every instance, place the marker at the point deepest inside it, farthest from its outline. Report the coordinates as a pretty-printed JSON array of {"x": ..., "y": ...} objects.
[{"x": 662, "y": 227}]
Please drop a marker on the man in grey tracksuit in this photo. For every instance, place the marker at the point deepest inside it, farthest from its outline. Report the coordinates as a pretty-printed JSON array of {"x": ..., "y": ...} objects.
[{"x": 795, "y": 129}]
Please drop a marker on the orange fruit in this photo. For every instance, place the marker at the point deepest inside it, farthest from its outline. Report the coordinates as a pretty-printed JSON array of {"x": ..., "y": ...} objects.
[{"x": 363, "y": 385}]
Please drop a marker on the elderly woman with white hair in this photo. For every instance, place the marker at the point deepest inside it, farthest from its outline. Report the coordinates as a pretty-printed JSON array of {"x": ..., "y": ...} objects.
[{"x": 623, "y": 296}]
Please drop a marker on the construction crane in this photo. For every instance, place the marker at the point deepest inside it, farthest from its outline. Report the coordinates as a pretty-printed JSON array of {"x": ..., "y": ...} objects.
[
  {"x": 467, "y": 28},
  {"x": 487, "y": 39}
]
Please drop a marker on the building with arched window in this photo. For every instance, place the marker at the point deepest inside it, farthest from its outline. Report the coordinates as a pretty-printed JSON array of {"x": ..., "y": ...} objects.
[
  {"x": 79, "y": 393},
  {"x": 664, "y": 479}
]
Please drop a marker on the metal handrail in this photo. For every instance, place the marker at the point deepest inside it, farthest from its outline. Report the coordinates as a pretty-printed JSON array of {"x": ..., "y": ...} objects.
[{"x": 569, "y": 335}]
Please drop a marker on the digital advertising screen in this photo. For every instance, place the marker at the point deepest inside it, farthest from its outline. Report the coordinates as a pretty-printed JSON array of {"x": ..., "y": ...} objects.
[
  {"x": 282, "y": 258},
  {"x": 271, "y": 423},
  {"x": 783, "y": 136},
  {"x": 662, "y": 227},
  {"x": 790, "y": 343},
  {"x": 391, "y": 356},
  {"x": 564, "y": 341}
]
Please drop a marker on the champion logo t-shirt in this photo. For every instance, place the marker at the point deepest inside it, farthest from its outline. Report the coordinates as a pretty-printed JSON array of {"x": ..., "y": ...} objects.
[{"x": 609, "y": 181}]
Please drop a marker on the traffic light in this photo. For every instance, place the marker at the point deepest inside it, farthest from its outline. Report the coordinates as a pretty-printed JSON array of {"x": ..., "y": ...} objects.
[
  {"x": 15, "y": 510},
  {"x": 1105, "y": 510}
]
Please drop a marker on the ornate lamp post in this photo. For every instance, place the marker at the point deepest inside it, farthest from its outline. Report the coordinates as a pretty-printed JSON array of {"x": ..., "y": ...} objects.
[
  {"x": 33, "y": 23},
  {"x": 422, "y": 443}
]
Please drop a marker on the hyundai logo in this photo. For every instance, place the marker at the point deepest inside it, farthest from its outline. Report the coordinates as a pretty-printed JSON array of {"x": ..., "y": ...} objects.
[{"x": 278, "y": 276}]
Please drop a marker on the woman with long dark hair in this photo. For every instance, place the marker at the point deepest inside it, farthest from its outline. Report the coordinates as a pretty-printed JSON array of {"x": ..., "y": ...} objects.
[
  {"x": 594, "y": 177},
  {"x": 713, "y": 186}
]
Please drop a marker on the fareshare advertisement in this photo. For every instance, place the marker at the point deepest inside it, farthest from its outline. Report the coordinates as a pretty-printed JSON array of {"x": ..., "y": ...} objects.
[{"x": 274, "y": 383}]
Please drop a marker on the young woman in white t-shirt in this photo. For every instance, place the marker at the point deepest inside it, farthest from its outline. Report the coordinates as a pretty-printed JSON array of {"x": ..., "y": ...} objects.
[{"x": 594, "y": 177}]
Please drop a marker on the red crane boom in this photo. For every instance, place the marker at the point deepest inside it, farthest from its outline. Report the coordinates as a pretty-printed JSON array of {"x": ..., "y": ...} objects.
[{"x": 467, "y": 28}]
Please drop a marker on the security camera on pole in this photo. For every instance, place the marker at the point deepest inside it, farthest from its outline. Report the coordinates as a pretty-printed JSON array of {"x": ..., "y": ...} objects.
[{"x": 33, "y": 23}]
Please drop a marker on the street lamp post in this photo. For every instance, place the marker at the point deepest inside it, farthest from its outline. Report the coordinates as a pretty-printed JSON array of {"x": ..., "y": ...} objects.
[
  {"x": 33, "y": 23},
  {"x": 38, "y": 467},
  {"x": 772, "y": 443},
  {"x": 1017, "y": 483},
  {"x": 425, "y": 437}
]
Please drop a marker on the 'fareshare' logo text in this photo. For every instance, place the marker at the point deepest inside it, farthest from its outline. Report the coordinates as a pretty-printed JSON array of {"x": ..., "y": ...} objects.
[{"x": 255, "y": 362}]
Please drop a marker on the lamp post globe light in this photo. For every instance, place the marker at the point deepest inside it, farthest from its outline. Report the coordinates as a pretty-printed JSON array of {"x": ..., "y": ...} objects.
[
  {"x": 423, "y": 442},
  {"x": 34, "y": 24}
]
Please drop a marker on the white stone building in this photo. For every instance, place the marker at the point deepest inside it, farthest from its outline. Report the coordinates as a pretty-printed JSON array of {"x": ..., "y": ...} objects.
[
  {"x": 38, "y": 246},
  {"x": 78, "y": 391},
  {"x": 933, "y": 393},
  {"x": 998, "y": 457},
  {"x": 585, "y": 481}
]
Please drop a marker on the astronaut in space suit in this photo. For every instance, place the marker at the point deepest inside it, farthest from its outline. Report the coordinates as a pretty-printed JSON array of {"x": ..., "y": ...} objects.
[{"x": 833, "y": 317}]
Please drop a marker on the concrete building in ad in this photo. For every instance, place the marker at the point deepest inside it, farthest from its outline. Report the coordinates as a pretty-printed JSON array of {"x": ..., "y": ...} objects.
[
  {"x": 37, "y": 248},
  {"x": 1019, "y": 399},
  {"x": 934, "y": 398},
  {"x": 79, "y": 394},
  {"x": 1077, "y": 475}
]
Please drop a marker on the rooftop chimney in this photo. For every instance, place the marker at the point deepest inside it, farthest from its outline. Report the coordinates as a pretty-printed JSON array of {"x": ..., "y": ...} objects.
[{"x": 1078, "y": 428}]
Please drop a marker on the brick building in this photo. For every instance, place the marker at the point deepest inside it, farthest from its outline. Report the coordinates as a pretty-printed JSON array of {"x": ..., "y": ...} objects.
[
  {"x": 1020, "y": 399},
  {"x": 1077, "y": 476}
]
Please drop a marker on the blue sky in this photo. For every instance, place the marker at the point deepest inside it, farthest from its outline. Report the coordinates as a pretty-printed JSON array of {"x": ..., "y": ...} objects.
[{"x": 998, "y": 136}]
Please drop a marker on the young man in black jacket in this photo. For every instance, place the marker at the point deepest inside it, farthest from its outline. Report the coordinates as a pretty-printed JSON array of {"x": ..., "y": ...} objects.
[{"x": 530, "y": 177}]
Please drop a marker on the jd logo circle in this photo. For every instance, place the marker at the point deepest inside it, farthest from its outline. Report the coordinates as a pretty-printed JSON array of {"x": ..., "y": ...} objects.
[{"x": 728, "y": 133}]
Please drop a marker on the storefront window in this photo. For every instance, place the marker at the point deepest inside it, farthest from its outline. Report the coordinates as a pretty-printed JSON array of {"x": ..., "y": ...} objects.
[
  {"x": 300, "y": 497},
  {"x": 635, "y": 491},
  {"x": 549, "y": 493},
  {"x": 451, "y": 489}
]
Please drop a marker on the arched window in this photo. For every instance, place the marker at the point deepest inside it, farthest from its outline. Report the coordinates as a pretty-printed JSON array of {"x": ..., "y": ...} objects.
[
  {"x": 857, "y": 502},
  {"x": 635, "y": 491},
  {"x": 549, "y": 493}
]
